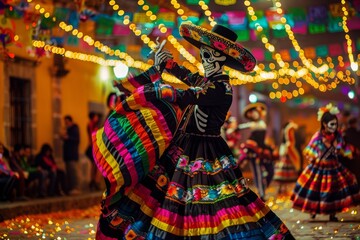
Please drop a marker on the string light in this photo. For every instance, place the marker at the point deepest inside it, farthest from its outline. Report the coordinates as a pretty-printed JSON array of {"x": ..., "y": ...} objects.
[
  {"x": 304, "y": 72},
  {"x": 181, "y": 49},
  {"x": 207, "y": 12},
  {"x": 98, "y": 60},
  {"x": 129, "y": 61},
  {"x": 354, "y": 65},
  {"x": 296, "y": 45},
  {"x": 236, "y": 77}
]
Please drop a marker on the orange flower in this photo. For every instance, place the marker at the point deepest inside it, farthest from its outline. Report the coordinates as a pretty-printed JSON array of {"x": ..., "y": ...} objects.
[
  {"x": 162, "y": 180},
  {"x": 234, "y": 53},
  {"x": 172, "y": 190},
  {"x": 130, "y": 235},
  {"x": 116, "y": 221}
]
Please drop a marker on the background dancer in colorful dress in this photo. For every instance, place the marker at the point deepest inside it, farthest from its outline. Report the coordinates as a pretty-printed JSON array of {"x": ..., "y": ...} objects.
[
  {"x": 255, "y": 151},
  {"x": 325, "y": 186},
  {"x": 288, "y": 166}
]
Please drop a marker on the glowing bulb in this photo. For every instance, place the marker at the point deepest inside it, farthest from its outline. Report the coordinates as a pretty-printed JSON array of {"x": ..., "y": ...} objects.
[
  {"x": 351, "y": 94},
  {"x": 354, "y": 66},
  {"x": 253, "y": 98},
  {"x": 121, "y": 70}
]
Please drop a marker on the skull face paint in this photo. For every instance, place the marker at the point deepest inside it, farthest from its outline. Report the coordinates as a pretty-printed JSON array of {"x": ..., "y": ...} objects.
[
  {"x": 212, "y": 61},
  {"x": 331, "y": 126}
]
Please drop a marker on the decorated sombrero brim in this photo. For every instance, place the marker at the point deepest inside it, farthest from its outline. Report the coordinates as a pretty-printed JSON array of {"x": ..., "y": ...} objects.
[
  {"x": 222, "y": 39},
  {"x": 258, "y": 105}
]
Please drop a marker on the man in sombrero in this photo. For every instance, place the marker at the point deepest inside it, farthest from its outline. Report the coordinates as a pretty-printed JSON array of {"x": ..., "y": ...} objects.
[{"x": 204, "y": 193}]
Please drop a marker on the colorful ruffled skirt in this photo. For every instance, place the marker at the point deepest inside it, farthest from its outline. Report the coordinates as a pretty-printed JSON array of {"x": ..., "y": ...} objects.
[
  {"x": 325, "y": 187},
  {"x": 125, "y": 151},
  {"x": 208, "y": 198},
  {"x": 261, "y": 164},
  {"x": 285, "y": 170}
]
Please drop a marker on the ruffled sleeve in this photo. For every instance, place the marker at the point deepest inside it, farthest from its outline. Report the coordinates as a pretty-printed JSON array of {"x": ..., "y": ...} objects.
[
  {"x": 131, "y": 83},
  {"x": 182, "y": 73},
  {"x": 343, "y": 148},
  {"x": 314, "y": 149}
]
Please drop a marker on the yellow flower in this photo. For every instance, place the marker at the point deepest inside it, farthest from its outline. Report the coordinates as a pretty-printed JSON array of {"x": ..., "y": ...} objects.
[{"x": 195, "y": 35}]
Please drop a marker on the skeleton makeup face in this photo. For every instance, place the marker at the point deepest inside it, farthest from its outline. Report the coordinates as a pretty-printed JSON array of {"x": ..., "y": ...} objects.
[
  {"x": 212, "y": 60},
  {"x": 331, "y": 126}
]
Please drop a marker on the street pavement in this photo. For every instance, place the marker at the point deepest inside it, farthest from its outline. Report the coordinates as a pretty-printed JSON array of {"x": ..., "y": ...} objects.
[{"x": 80, "y": 224}]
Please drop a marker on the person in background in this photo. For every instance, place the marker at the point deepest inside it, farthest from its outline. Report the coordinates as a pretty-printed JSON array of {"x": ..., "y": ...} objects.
[
  {"x": 287, "y": 168},
  {"x": 29, "y": 158},
  {"x": 233, "y": 136},
  {"x": 71, "y": 141},
  {"x": 114, "y": 99},
  {"x": 56, "y": 176},
  {"x": 352, "y": 137},
  {"x": 255, "y": 151},
  {"x": 31, "y": 174},
  {"x": 343, "y": 121},
  {"x": 325, "y": 186},
  {"x": 92, "y": 127},
  {"x": 300, "y": 142},
  {"x": 8, "y": 178},
  {"x": 20, "y": 183}
]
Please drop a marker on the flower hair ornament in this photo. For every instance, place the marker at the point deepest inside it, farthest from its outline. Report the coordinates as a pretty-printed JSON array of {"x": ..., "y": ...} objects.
[{"x": 328, "y": 108}]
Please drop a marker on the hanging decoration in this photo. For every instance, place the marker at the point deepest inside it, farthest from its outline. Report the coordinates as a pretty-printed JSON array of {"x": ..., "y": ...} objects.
[
  {"x": 104, "y": 25},
  {"x": 273, "y": 26},
  {"x": 273, "y": 17},
  {"x": 225, "y": 2},
  {"x": 195, "y": 2},
  {"x": 237, "y": 20}
]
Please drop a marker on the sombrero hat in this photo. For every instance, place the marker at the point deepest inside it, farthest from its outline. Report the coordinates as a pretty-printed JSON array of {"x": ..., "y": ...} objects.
[
  {"x": 221, "y": 39},
  {"x": 258, "y": 106}
]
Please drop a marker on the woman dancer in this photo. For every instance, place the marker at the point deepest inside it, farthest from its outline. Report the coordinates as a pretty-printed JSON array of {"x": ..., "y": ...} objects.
[
  {"x": 254, "y": 150},
  {"x": 326, "y": 186},
  {"x": 288, "y": 166}
]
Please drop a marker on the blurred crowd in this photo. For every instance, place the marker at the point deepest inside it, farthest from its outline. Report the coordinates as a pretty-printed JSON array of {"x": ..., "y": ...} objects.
[{"x": 25, "y": 175}]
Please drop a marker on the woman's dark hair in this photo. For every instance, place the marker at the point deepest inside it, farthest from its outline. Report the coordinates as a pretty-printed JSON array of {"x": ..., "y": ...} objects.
[
  {"x": 92, "y": 115},
  {"x": 45, "y": 147},
  {"x": 327, "y": 117},
  {"x": 68, "y": 117},
  {"x": 283, "y": 139}
]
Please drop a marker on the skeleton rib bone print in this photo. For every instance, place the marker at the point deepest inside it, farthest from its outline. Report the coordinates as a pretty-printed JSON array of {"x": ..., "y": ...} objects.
[{"x": 201, "y": 119}]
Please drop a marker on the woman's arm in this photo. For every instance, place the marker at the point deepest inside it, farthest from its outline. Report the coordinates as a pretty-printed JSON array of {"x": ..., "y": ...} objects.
[
  {"x": 131, "y": 83},
  {"x": 210, "y": 94}
]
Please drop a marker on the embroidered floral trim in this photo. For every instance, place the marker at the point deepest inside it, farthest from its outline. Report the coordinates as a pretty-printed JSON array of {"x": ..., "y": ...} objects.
[
  {"x": 207, "y": 193},
  {"x": 201, "y": 165}
]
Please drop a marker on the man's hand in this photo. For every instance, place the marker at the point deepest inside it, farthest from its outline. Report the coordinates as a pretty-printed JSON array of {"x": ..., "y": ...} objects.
[{"x": 161, "y": 56}]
